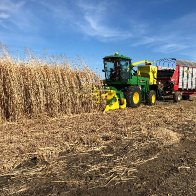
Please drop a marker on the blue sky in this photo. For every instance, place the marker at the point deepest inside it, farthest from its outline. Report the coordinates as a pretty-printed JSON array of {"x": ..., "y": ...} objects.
[{"x": 92, "y": 29}]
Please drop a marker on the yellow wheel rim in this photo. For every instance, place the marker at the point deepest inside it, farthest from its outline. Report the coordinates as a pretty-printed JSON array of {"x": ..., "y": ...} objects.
[
  {"x": 153, "y": 98},
  {"x": 136, "y": 98}
]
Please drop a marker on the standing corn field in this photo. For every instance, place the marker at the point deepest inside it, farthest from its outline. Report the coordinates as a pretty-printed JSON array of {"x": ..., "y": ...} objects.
[{"x": 34, "y": 87}]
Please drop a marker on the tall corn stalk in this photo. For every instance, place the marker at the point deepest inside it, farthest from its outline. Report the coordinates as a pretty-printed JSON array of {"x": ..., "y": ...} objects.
[{"x": 34, "y": 87}]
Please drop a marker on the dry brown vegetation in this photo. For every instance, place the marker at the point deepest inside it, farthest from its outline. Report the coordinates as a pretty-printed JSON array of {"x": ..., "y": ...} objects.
[
  {"x": 33, "y": 86},
  {"x": 142, "y": 151}
]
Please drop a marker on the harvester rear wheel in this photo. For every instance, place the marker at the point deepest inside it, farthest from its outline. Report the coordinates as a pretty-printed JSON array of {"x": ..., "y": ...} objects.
[
  {"x": 151, "y": 97},
  {"x": 133, "y": 97},
  {"x": 177, "y": 96}
]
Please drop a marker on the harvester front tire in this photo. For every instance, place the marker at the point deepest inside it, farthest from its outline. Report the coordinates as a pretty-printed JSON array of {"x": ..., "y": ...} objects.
[
  {"x": 151, "y": 98},
  {"x": 177, "y": 96},
  {"x": 133, "y": 97}
]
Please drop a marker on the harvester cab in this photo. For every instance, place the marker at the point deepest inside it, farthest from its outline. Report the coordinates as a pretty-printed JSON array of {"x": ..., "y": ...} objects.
[
  {"x": 117, "y": 68},
  {"x": 125, "y": 86}
]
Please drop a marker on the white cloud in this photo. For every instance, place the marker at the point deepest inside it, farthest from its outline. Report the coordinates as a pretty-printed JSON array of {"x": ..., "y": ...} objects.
[
  {"x": 88, "y": 18},
  {"x": 89, "y": 6},
  {"x": 94, "y": 27},
  {"x": 14, "y": 15},
  {"x": 9, "y": 11},
  {"x": 4, "y": 15},
  {"x": 178, "y": 36},
  {"x": 10, "y": 6},
  {"x": 162, "y": 43},
  {"x": 170, "y": 48},
  {"x": 93, "y": 22}
]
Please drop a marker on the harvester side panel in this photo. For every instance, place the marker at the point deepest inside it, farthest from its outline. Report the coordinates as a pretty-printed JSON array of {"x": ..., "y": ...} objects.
[{"x": 150, "y": 72}]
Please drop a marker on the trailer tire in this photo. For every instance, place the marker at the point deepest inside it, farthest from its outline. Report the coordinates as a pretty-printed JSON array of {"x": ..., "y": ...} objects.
[
  {"x": 177, "y": 96},
  {"x": 151, "y": 97},
  {"x": 185, "y": 97},
  {"x": 133, "y": 97}
]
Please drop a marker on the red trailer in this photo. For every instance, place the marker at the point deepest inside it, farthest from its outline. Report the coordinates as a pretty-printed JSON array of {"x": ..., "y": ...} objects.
[{"x": 176, "y": 78}]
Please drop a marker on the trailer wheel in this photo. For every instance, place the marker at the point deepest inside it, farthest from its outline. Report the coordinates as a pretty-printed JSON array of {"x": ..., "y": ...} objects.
[
  {"x": 177, "y": 96},
  {"x": 133, "y": 97},
  {"x": 185, "y": 97},
  {"x": 151, "y": 98}
]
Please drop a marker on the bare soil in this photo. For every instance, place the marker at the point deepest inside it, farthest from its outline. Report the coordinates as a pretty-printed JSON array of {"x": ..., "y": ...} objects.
[{"x": 142, "y": 151}]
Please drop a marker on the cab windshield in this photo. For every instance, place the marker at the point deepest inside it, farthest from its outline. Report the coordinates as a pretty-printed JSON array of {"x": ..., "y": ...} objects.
[{"x": 117, "y": 70}]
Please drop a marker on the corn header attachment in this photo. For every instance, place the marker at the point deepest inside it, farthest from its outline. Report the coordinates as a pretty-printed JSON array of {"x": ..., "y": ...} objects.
[{"x": 112, "y": 100}]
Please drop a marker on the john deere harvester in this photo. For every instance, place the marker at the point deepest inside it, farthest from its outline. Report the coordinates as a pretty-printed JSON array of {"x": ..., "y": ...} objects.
[{"x": 126, "y": 85}]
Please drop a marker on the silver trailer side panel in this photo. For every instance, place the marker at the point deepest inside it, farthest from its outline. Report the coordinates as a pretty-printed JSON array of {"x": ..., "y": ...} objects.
[
  {"x": 187, "y": 74},
  {"x": 184, "y": 79},
  {"x": 194, "y": 79},
  {"x": 190, "y": 73},
  {"x": 180, "y": 77}
]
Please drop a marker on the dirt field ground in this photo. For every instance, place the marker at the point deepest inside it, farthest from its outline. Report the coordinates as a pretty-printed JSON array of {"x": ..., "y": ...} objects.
[{"x": 143, "y": 151}]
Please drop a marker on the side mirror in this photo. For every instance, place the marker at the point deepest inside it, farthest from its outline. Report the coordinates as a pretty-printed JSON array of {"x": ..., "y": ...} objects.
[{"x": 103, "y": 70}]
